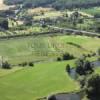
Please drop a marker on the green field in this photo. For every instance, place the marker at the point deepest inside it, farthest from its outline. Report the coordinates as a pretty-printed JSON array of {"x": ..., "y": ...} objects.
[
  {"x": 92, "y": 11},
  {"x": 47, "y": 76},
  {"x": 31, "y": 83},
  {"x": 50, "y": 14},
  {"x": 42, "y": 48}
]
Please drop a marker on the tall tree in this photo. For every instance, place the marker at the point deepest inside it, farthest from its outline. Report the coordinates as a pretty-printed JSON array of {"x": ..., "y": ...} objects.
[{"x": 93, "y": 87}]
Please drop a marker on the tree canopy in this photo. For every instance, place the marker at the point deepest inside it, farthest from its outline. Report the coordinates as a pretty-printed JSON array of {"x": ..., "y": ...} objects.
[{"x": 57, "y": 3}]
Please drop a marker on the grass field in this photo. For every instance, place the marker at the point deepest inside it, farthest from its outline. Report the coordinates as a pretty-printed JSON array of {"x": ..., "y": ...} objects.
[
  {"x": 92, "y": 11},
  {"x": 39, "y": 48},
  {"x": 4, "y": 72},
  {"x": 31, "y": 83},
  {"x": 50, "y": 14},
  {"x": 39, "y": 10},
  {"x": 97, "y": 71}
]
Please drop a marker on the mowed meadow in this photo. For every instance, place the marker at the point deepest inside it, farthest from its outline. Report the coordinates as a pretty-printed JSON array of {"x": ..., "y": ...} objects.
[
  {"x": 39, "y": 81},
  {"x": 45, "y": 78},
  {"x": 43, "y": 48}
]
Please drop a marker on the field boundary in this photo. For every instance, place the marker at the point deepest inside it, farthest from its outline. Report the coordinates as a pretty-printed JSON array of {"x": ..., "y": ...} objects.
[{"x": 55, "y": 31}]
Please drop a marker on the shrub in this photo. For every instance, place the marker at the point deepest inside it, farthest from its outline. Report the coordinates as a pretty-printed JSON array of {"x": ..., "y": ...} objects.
[
  {"x": 89, "y": 55},
  {"x": 99, "y": 51},
  {"x": 59, "y": 59},
  {"x": 84, "y": 56},
  {"x": 23, "y": 64},
  {"x": 98, "y": 59},
  {"x": 4, "y": 24},
  {"x": 68, "y": 69},
  {"x": 19, "y": 64},
  {"x": 67, "y": 56},
  {"x": 93, "y": 54},
  {"x": 83, "y": 67},
  {"x": 6, "y": 65},
  {"x": 31, "y": 64},
  {"x": 80, "y": 70},
  {"x": 44, "y": 25},
  {"x": 82, "y": 81}
]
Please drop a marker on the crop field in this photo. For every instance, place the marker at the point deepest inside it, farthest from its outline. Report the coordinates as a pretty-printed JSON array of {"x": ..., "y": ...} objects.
[
  {"x": 51, "y": 14},
  {"x": 42, "y": 48},
  {"x": 32, "y": 83},
  {"x": 39, "y": 10}
]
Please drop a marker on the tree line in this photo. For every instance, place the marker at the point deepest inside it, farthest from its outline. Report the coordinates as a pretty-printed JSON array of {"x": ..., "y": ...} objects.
[
  {"x": 58, "y": 4},
  {"x": 4, "y": 23}
]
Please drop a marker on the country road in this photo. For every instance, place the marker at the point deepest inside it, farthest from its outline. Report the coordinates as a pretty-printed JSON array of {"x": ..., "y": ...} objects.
[{"x": 73, "y": 31}]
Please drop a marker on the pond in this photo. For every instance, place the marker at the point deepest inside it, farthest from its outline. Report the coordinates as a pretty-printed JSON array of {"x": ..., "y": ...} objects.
[
  {"x": 74, "y": 95},
  {"x": 66, "y": 96},
  {"x": 73, "y": 73},
  {"x": 96, "y": 64}
]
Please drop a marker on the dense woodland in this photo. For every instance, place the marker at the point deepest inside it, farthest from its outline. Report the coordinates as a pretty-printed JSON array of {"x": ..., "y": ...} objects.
[{"x": 56, "y": 3}]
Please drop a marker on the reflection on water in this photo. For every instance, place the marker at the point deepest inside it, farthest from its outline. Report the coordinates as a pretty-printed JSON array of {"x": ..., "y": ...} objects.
[
  {"x": 73, "y": 73},
  {"x": 66, "y": 96},
  {"x": 96, "y": 63}
]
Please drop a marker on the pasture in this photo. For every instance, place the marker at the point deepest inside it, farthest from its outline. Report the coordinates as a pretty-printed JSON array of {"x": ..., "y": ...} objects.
[
  {"x": 50, "y": 14},
  {"x": 32, "y": 83},
  {"x": 46, "y": 47},
  {"x": 47, "y": 76},
  {"x": 92, "y": 11}
]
